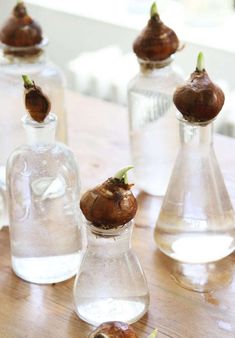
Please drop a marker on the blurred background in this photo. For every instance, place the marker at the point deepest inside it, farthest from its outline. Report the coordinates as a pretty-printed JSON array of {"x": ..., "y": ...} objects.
[{"x": 92, "y": 42}]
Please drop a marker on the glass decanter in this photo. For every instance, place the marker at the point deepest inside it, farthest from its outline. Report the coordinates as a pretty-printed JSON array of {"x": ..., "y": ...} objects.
[
  {"x": 196, "y": 223},
  {"x": 43, "y": 193},
  {"x": 110, "y": 284},
  {"x": 153, "y": 129}
]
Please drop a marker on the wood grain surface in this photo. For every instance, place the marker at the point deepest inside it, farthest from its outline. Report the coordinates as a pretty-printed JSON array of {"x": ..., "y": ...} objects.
[{"x": 98, "y": 134}]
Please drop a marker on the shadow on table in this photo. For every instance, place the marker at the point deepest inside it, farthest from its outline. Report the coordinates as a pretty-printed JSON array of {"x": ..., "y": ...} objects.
[{"x": 199, "y": 277}]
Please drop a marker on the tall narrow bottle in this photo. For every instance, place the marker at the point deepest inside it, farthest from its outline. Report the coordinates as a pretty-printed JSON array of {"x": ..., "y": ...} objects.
[
  {"x": 23, "y": 52},
  {"x": 43, "y": 189},
  {"x": 196, "y": 223},
  {"x": 153, "y": 129}
]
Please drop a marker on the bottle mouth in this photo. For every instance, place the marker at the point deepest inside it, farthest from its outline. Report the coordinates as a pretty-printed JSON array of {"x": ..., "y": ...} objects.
[
  {"x": 104, "y": 231},
  {"x": 181, "y": 118},
  {"x": 148, "y": 64},
  {"x": 50, "y": 121},
  {"x": 24, "y": 51}
]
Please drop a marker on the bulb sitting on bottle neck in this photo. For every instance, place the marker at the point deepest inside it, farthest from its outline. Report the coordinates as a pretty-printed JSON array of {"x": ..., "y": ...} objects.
[
  {"x": 31, "y": 54},
  {"x": 40, "y": 133},
  {"x": 149, "y": 67},
  {"x": 195, "y": 134},
  {"x": 118, "y": 239}
]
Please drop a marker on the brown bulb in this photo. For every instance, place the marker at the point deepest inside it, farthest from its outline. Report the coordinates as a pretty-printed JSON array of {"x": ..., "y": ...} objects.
[
  {"x": 199, "y": 99},
  {"x": 37, "y": 104},
  {"x": 110, "y": 204},
  {"x": 156, "y": 42},
  {"x": 113, "y": 330},
  {"x": 20, "y": 30}
]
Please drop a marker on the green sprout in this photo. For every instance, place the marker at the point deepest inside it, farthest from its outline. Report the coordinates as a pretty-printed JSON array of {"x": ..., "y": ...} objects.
[
  {"x": 200, "y": 62},
  {"x": 153, "y": 10},
  {"x": 122, "y": 174}
]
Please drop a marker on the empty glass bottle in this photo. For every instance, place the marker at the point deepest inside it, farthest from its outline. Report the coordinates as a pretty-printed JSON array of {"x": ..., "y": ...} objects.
[
  {"x": 196, "y": 223},
  {"x": 110, "y": 284},
  {"x": 43, "y": 189},
  {"x": 153, "y": 128}
]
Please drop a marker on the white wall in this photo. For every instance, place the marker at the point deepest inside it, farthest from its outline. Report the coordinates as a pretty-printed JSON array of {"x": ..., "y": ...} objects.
[{"x": 71, "y": 34}]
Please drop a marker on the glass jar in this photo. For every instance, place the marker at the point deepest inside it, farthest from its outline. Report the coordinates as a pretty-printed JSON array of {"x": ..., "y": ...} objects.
[
  {"x": 43, "y": 193},
  {"x": 196, "y": 223},
  {"x": 110, "y": 284},
  {"x": 13, "y": 63},
  {"x": 153, "y": 129}
]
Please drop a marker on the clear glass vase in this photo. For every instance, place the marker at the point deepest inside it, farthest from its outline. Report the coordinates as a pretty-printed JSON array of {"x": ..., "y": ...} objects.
[
  {"x": 13, "y": 63},
  {"x": 110, "y": 284},
  {"x": 153, "y": 128},
  {"x": 196, "y": 223},
  {"x": 43, "y": 194}
]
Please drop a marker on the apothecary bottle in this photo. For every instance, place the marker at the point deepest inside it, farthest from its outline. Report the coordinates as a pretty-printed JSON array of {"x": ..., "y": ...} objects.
[
  {"x": 31, "y": 60},
  {"x": 43, "y": 194},
  {"x": 196, "y": 223},
  {"x": 110, "y": 284},
  {"x": 153, "y": 129}
]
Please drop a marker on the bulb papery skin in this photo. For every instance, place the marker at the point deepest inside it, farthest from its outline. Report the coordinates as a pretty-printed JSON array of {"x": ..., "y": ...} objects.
[
  {"x": 156, "y": 42},
  {"x": 199, "y": 99},
  {"x": 20, "y": 30},
  {"x": 37, "y": 104},
  {"x": 113, "y": 330},
  {"x": 110, "y": 204}
]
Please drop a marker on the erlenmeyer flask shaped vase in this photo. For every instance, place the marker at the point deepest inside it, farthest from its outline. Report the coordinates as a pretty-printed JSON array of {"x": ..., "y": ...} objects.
[
  {"x": 196, "y": 223},
  {"x": 110, "y": 284}
]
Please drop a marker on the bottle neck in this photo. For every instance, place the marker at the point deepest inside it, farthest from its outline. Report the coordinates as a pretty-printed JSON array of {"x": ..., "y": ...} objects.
[
  {"x": 109, "y": 242},
  {"x": 19, "y": 55},
  {"x": 194, "y": 135},
  {"x": 40, "y": 133},
  {"x": 151, "y": 67}
]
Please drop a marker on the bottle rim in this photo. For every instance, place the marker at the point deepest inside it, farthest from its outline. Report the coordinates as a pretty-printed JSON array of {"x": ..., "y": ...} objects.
[
  {"x": 50, "y": 120},
  {"x": 156, "y": 64},
  {"x": 181, "y": 118},
  {"x": 114, "y": 232},
  {"x": 40, "y": 45}
]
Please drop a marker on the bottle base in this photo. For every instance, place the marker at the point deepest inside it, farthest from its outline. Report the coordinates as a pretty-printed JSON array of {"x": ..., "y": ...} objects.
[
  {"x": 102, "y": 310},
  {"x": 46, "y": 270},
  {"x": 203, "y": 278}
]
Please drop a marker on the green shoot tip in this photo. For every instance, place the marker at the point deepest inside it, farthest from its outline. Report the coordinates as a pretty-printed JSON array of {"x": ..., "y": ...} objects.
[
  {"x": 200, "y": 62},
  {"x": 122, "y": 174},
  {"x": 27, "y": 80},
  {"x": 153, "y": 10}
]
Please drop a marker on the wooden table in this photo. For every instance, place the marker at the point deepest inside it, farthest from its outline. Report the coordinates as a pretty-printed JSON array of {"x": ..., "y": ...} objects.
[{"x": 99, "y": 137}]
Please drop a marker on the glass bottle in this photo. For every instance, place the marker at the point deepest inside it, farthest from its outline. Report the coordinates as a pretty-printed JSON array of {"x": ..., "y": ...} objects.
[
  {"x": 196, "y": 223},
  {"x": 153, "y": 129},
  {"x": 15, "y": 61},
  {"x": 110, "y": 284},
  {"x": 43, "y": 192}
]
